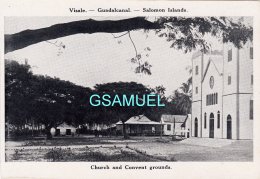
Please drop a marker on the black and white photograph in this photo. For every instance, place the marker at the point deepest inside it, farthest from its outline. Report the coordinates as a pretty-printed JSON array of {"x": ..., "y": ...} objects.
[{"x": 131, "y": 89}]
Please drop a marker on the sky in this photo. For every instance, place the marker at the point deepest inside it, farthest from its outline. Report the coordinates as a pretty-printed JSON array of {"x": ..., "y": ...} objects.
[{"x": 90, "y": 59}]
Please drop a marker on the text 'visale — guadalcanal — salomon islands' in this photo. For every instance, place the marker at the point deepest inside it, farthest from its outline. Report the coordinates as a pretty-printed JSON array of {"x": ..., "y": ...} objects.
[{"x": 115, "y": 10}]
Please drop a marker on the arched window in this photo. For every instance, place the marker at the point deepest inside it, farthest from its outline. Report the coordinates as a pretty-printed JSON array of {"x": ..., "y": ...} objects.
[
  {"x": 229, "y": 55},
  {"x": 211, "y": 125},
  {"x": 196, "y": 70},
  {"x": 251, "y": 108},
  {"x": 218, "y": 119},
  {"x": 211, "y": 116},
  {"x": 251, "y": 52},
  {"x": 229, "y": 127},
  {"x": 216, "y": 98},
  {"x": 229, "y": 118},
  {"x": 196, "y": 127},
  {"x": 205, "y": 120}
]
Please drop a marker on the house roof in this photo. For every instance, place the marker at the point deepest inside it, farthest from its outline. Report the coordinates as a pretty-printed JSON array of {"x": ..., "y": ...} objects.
[
  {"x": 65, "y": 125},
  {"x": 171, "y": 118},
  {"x": 142, "y": 119}
]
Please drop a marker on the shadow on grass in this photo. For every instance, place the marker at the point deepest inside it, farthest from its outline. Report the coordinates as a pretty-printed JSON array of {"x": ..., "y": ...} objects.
[{"x": 65, "y": 155}]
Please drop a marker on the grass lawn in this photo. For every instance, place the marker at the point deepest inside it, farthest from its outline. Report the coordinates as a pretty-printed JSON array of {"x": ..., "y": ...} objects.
[
  {"x": 65, "y": 141},
  {"x": 117, "y": 149}
]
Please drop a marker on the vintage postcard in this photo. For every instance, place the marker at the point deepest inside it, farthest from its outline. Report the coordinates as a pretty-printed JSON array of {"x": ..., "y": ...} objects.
[{"x": 137, "y": 89}]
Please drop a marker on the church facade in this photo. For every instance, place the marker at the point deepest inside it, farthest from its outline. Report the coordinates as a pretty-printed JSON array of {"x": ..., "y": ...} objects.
[{"x": 222, "y": 93}]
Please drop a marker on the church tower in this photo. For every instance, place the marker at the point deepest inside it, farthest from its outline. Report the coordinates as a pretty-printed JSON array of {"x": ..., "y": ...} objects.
[
  {"x": 197, "y": 75},
  {"x": 238, "y": 92}
]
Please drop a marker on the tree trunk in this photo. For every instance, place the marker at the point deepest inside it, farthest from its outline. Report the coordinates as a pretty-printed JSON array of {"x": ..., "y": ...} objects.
[
  {"x": 48, "y": 132},
  {"x": 124, "y": 131},
  {"x": 32, "y": 128}
]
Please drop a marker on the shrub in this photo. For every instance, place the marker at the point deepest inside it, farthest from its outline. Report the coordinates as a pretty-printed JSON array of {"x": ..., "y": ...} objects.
[
  {"x": 16, "y": 155},
  {"x": 58, "y": 154}
]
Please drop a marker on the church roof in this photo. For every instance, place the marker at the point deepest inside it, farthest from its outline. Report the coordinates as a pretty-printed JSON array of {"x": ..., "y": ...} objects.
[
  {"x": 215, "y": 57},
  {"x": 217, "y": 61}
]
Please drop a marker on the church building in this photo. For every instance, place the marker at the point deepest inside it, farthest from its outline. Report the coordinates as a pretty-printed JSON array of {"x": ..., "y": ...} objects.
[{"x": 222, "y": 93}]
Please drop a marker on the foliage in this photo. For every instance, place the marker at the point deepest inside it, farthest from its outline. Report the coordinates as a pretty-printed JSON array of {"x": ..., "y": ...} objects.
[
  {"x": 184, "y": 33},
  {"x": 42, "y": 100},
  {"x": 182, "y": 98},
  {"x": 35, "y": 99},
  {"x": 58, "y": 154},
  {"x": 17, "y": 91},
  {"x": 187, "y": 33},
  {"x": 120, "y": 113}
]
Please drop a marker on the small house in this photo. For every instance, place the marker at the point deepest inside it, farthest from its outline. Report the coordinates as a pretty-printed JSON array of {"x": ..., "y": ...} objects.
[
  {"x": 176, "y": 124},
  {"x": 96, "y": 126},
  {"x": 140, "y": 125},
  {"x": 65, "y": 129}
]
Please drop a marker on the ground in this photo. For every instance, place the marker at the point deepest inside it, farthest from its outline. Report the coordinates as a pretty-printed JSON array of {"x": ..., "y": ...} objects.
[{"x": 90, "y": 148}]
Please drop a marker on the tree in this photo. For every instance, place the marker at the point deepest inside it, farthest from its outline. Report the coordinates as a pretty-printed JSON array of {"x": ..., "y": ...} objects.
[
  {"x": 183, "y": 32},
  {"x": 42, "y": 99},
  {"x": 121, "y": 113},
  {"x": 58, "y": 101},
  {"x": 17, "y": 92},
  {"x": 182, "y": 98}
]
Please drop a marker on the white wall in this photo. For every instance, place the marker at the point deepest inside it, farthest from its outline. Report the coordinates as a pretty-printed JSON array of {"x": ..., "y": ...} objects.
[
  {"x": 177, "y": 128},
  {"x": 245, "y": 69},
  {"x": 227, "y": 93},
  {"x": 229, "y": 108},
  {"x": 230, "y": 68},
  {"x": 245, "y": 91},
  {"x": 196, "y": 97},
  {"x": 246, "y": 124},
  {"x": 206, "y": 90},
  {"x": 63, "y": 130},
  {"x": 165, "y": 131},
  {"x": 196, "y": 79},
  {"x": 196, "y": 111}
]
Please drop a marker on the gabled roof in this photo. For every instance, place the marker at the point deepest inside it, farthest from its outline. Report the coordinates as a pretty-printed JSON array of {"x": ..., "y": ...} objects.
[
  {"x": 65, "y": 125},
  {"x": 171, "y": 118},
  {"x": 141, "y": 119}
]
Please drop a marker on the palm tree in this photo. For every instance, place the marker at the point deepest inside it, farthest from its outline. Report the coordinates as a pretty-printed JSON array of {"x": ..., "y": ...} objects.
[{"x": 182, "y": 97}]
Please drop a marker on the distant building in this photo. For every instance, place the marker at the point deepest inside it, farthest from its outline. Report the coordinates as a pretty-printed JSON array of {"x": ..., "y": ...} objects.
[
  {"x": 222, "y": 96},
  {"x": 65, "y": 129},
  {"x": 140, "y": 125},
  {"x": 176, "y": 124},
  {"x": 98, "y": 127}
]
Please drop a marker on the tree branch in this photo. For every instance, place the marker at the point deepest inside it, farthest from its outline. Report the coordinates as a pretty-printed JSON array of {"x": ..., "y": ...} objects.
[
  {"x": 29, "y": 37},
  {"x": 133, "y": 44},
  {"x": 119, "y": 35}
]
